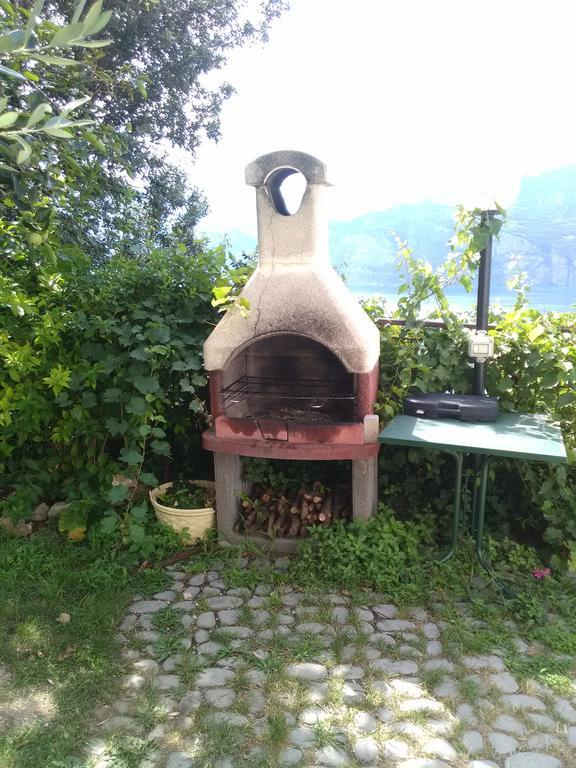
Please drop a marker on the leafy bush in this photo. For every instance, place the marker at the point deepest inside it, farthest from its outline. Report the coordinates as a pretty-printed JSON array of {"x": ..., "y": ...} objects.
[
  {"x": 121, "y": 384},
  {"x": 378, "y": 553}
]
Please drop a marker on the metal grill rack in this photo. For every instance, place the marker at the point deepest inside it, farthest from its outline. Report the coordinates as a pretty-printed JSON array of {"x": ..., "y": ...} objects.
[{"x": 289, "y": 389}]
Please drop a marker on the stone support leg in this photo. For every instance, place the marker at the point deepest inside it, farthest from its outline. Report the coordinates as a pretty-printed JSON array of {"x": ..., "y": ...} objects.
[
  {"x": 228, "y": 476},
  {"x": 364, "y": 487}
]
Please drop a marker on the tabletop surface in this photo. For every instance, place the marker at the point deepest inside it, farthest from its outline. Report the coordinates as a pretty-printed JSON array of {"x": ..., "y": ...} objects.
[{"x": 515, "y": 435}]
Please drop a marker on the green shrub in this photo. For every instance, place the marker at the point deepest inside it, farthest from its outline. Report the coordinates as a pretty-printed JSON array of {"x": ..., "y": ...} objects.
[
  {"x": 380, "y": 553},
  {"x": 120, "y": 388}
]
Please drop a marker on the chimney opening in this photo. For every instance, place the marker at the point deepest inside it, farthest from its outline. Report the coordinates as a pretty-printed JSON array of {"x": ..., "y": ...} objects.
[{"x": 286, "y": 188}]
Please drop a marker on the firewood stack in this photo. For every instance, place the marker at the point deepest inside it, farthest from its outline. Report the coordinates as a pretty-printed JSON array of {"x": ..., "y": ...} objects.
[{"x": 282, "y": 515}]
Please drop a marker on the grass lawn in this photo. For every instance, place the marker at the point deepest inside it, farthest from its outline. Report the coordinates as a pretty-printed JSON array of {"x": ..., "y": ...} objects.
[{"x": 53, "y": 674}]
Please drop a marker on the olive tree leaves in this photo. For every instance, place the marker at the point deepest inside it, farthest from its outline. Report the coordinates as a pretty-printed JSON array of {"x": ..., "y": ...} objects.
[{"x": 24, "y": 53}]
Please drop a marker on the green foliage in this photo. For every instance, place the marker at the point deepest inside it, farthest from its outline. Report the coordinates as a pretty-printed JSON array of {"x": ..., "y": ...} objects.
[
  {"x": 534, "y": 372},
  {"x": 473, "y": 229},
  {"x": 18, "y": 504},
  {"x": 376, "y": 553},
  {"x": 227, "y": 289},
  {"x": 24, "y": 132},
  {"x": 127, "y": 751},
  {"x": 168, "y": 623},
  {"x": 552, "y": 672},
  {"x": 114, "y": 390},
  {"x": 306, "y": 647},
  {"x": 151, "y": 92},
  {"x": 185, "y": 495}
]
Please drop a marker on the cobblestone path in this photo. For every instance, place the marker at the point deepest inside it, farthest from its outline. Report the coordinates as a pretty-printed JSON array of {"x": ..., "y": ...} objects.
[{"x": 225, "y": 677}]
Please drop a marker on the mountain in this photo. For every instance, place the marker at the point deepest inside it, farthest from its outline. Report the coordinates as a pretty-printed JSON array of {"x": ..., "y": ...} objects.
[{"x": 539, "y": 238}]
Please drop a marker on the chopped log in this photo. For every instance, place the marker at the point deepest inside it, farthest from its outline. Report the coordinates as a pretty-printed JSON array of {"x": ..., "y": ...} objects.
[
  {"x": 281, "y": 516},
  {"x": 250, "y": 519},
  {"x": 295, "y": 526},
  {"x": 283, "y": 506},
  {"x": 340, "y": 502},
  {"x": 271, "y": 522},
  {"x": 248, "y": 529},
  {"x": 266, "y": 496},
  {"x": 292, "y": 514},
  {"x": 267, "y": 511},
  {"x": 279, "y": 525},
  {"x": 326, "y": 511}
]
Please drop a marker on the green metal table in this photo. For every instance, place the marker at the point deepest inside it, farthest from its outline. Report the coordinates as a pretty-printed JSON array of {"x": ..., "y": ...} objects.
[{"x": 512, "y": 436}]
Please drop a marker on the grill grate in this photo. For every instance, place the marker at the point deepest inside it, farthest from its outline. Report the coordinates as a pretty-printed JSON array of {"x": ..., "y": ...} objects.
[{"x": 291, "y": 389}]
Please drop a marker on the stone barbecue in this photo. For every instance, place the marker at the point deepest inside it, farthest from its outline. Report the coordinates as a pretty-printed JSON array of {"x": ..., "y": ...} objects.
[{"x": 296, "y": 376}]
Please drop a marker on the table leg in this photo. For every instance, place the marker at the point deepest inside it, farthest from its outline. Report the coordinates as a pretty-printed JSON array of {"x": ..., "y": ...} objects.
[
  {"x": 475, "y": 496},
  {"x": 480, "y": 515},
  {"x": 480, "y": 512},
  {"x": 459, "y": 460}
]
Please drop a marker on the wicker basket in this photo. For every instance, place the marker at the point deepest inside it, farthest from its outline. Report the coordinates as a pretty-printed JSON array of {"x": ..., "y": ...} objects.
[{"x": 196, "y": 521}]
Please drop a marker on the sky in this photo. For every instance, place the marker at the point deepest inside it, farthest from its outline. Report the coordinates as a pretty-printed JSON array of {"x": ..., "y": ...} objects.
[{"x": 404, "y": 100}]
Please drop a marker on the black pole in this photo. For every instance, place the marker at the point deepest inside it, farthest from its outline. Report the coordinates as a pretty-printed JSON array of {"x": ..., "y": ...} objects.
[
  {"x": 482, "y": 310},
  {"x": 483, "y": 304}
]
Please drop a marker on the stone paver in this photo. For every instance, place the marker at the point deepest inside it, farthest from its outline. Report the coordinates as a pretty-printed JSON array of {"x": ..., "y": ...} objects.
[
  {"x": 363, "y": 685},
  {"x": 206, "y": 620},
  {"x": 214, "y": 677},
  {"x": 532, "y": 760},
  {"x": 222, "y": 698},
  {"x": 302, "y": 737},
  {"x": 522, "y": 701},
  {"x": 307, "y": 671},
  {"x": 366, "y": 750},
  {"x": 565, "y": 711},
  {"x": 179, "y": 760},
  {"x": 505, "y": 682},
  {"x": 482, "y": 764},
  {"x": 509, "y": 724},
  {"x": 290, "y": 756},
  {"x": 147, "y": 606},
  {"x": 502, "y": 743},
  {"x": 473, "y": 742}
]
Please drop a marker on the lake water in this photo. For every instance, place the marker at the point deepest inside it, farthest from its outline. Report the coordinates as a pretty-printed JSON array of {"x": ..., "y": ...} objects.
[{"x": 544, "y": 299}]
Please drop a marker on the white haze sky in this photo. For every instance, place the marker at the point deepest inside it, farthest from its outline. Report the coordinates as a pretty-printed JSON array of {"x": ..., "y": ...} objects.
[{"x": 404, "y": 100}]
